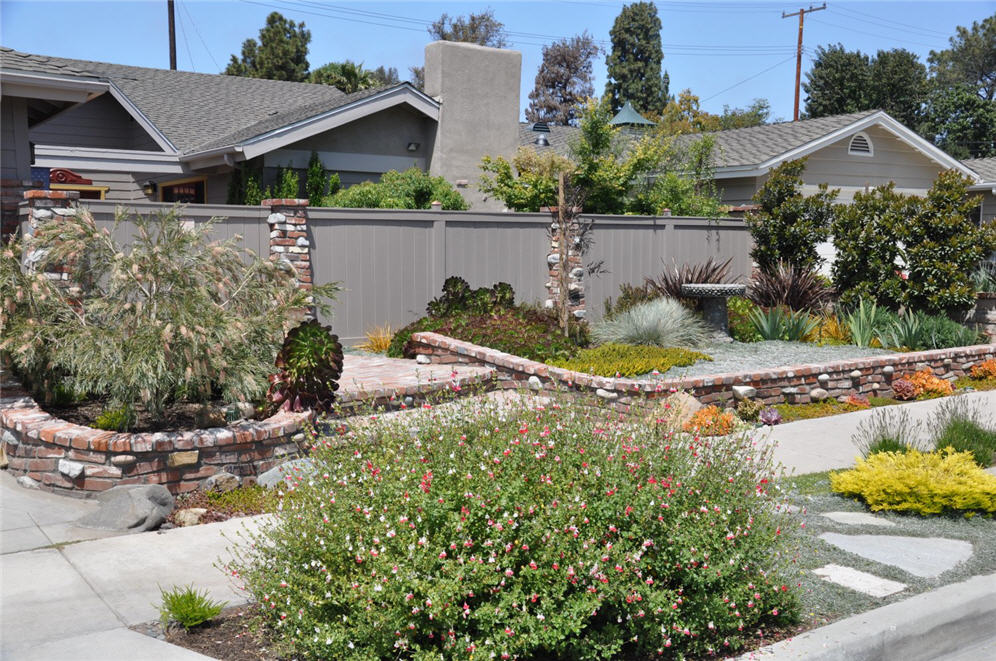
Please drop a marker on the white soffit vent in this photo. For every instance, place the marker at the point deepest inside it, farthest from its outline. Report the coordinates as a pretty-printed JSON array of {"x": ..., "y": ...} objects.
[{"x": 860, "y": 145}]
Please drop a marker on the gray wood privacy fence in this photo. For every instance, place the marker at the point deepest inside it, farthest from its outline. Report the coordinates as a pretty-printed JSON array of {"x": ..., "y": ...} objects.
[{"x": 392, "y": 262}]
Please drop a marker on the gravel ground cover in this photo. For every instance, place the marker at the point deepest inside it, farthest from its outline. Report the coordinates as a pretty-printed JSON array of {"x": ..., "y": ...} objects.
[
  {"x": 823, "y": 601},
  {"x": 752, "y": 356}
]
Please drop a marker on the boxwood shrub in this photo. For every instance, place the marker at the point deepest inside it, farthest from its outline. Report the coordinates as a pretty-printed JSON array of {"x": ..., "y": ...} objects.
[{"x": 482, "y": 531}]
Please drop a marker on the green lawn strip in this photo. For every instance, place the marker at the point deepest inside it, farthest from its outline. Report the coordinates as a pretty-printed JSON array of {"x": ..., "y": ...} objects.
[{"x": 824, "y": 602}]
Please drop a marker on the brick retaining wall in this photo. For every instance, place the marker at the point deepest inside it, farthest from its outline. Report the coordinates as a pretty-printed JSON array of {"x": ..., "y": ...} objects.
[
  {"x": 78, "y": 460},
  {"x": 795, "y": 384}
]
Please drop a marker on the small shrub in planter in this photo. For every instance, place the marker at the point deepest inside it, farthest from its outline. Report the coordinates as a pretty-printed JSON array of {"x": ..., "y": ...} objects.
[
  {"x": 739, "y": 310},
  {"x": 903, "y": 390},
  {"x": 171, "y": 317},
  {"x": 922, "y": 483},
  {"x": 749, "y": 410},
  {"x": 711, "y": 421},
  {"x": 309, "y": 365},
  {"x": 929, "y": 384},
  {"x": 187, "y": 607},
  {"x": 480, "y": 531},
  {"x": 984, "y": 370},
  {"x": 770, "y": 416}
]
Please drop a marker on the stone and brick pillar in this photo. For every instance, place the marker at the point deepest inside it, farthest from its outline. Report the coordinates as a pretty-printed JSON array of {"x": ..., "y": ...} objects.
[
  {"x": 575, "y": 273},
  {"x": 290, "y": 239},
  {"x": 45, "y": 206}
]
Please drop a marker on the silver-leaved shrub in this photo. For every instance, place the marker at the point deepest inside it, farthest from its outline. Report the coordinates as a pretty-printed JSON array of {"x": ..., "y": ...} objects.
[
  {"x": 171, "y": 315},
  {"x": 482, "y": 531}
]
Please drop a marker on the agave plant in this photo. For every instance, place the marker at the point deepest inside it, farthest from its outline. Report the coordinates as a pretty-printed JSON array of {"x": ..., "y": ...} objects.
[
  {"x": 780, "y": 323},
  {"x": 663, "y": 322},
  {"x": 309, "y": 365},
  {"x": 670, "y": 280},
  {"x": 861, "y": 322},
  {"x": 798, "y": 288}
]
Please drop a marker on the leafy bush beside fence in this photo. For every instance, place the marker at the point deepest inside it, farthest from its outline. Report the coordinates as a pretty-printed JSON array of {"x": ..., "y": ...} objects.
[{"x": 487, "y": 532}]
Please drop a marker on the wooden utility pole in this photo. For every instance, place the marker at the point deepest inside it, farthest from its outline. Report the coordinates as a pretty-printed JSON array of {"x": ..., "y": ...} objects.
[
  {"x": 798, "y": 53},
  {"x": 172, "y": 35}
]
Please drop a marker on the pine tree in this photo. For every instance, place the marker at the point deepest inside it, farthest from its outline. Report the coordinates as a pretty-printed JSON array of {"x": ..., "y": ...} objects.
[
  {"x": 634, "y": 65},
  {"x": 564, "y": 81},
  {"x": 838, "y": 82},
  {"x": 280, "y": 54}
]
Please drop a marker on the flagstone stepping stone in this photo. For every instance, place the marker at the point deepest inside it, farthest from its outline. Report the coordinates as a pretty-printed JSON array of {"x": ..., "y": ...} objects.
[
  {"x": 858, "y": 519},
  {"x": 926, "y": 557},
  {"x": 859, "y": 581}
]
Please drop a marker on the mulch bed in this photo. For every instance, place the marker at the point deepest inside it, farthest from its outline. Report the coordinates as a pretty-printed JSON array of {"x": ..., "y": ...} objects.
[{"x": 181, "y": 416}]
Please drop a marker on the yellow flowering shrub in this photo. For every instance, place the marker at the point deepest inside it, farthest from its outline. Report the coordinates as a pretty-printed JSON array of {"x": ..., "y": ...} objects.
[
  {"x": 927, "y": 383},
  {"x": 919, "y": 482},
  {"x": 711, "y": 421},
  {"x": 985, "y": 370}
]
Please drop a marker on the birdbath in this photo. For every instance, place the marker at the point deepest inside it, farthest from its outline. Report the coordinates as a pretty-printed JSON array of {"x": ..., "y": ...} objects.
[{"x": 713, "y": 298}]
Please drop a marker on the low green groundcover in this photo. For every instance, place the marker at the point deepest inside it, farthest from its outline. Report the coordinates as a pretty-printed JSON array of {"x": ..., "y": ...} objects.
[
  {"x": 476, "y": 531},
  {"x": 628, "y": 360},
  {"x": 520, "y": 330}
]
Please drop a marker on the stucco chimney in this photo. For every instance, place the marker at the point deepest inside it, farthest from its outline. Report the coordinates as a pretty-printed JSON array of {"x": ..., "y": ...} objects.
[{"x": 478, "y": 91}]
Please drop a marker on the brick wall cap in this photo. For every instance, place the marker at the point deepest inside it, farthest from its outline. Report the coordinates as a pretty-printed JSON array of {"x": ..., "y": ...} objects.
[{"x": 51, "y": 194}]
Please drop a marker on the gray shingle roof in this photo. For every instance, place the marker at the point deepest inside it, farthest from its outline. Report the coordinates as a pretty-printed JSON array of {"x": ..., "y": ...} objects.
[
  {"x": 984, "y": 167},
  {"x": 559, "y": 137},
  {"x": 757, "y": 144},
  {"x": 197, "y": 111}
]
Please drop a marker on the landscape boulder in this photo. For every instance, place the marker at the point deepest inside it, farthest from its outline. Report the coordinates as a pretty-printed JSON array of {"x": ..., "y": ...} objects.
[
  {"x": 131, "y": 508},
  {"x": 274, "y": 476}
]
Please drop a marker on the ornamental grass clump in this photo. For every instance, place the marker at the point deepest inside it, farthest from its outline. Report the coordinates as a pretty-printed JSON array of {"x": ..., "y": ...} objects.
[
  {"x": 481, "y": 530},
  {"x": 171, "y": 316},
  {"x": 663, "y": 322}
]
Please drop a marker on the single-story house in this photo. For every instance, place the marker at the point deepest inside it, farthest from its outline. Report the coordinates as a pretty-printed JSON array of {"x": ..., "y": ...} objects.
[
  {"x": 852, "y": 152},
  {"x": 127, "y": 133},
  {"x": 986, "y": 169}
]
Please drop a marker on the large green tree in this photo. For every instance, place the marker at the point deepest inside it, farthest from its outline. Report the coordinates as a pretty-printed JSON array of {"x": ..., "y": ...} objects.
[
  {"x": 482, "y": 29},
  {"x": 960, "y": 122},
  {"x": 970, "y": 60},
  {"x": 838, "y": 82},
  {"x": 634, "y": 63},
  {"x": 842, "y": 81},
  {"x": 564, "y": 81},
  {"x": 347, "y": 76},
  {"x": 757, "y": 113},
  {"x": 280, "y": 54}
]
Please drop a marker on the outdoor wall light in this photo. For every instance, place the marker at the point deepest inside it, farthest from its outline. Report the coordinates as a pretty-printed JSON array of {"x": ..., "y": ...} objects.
[
  {"x": 542, "y": 141},
  {"x": 413, "y": 146},
  {"x": 149, "y": 188}
]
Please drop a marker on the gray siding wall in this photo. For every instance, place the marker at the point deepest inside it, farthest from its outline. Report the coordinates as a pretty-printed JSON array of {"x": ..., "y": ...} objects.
[
  {"x": 392, "y": 263},
  {"x": 15, "y": 161},
  {"x": 893, "y": 160},
  {"x": 988, "y": 207},
  {"x": 739, "y": 190},
  {"x": 101, "y": 122}
]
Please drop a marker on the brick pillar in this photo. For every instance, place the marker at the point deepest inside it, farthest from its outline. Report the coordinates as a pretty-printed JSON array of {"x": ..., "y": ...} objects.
[
  {"x": 11, "y": 195},
  {"x": 575, "y": 291},
  {"x": 290, "y": 239},
  {"x": 46, "y": 206}
]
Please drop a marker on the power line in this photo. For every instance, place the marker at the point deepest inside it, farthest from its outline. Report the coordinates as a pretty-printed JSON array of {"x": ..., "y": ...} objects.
[
  {"x": 748, "y": 79},
  {"x": 198, "y": 33},
  {"x": 886, "y": 21},
  {"x": 183, "y": 33},
  {"x": 872, "y": 34}
]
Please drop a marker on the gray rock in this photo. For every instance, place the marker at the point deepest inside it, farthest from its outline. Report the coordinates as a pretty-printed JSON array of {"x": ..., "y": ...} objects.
[
  {"x": 926, "y": 557},
  {"x": 409, "y": 401},
  {"x": 275, "y": 218},
  {"x": 302, "y": 241},
  {"x": 553, "y": 258},
  {"x": 535, "y": 383},
  {"x": 856, "y": 374},
  {"x": 71, "y": 469},
  {"x": 422, "y": 359},
  {"x": 42, "y": 214},
  {"x": 579, "y": 314},
  {"x": 818, "y": 394},
  {"x": 608, "y": 395},
  {"x": 124, "y": 459},
  {"x": 27, "y": 482},
  {"x": 858, "y": 519},
  {"x": 888, "y": 370},
  {"x": 859, "y": 581},
  {"x": 9, "y": 437},
  {"x": 823, "y": 380},
  {"x": 275, "y": 475},
  {"x": 744, "y": 392},
  {"x": 221, "y": 482},
  {"x": 189, "y": 517},
  {"x": 132, "y": 508}
]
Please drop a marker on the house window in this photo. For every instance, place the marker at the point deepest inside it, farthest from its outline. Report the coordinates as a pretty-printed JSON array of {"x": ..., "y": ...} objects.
[
  {"x": 86, "y": 192},
  {"x": 184, "y": 191},
  {"x": 861, "y": 145}
]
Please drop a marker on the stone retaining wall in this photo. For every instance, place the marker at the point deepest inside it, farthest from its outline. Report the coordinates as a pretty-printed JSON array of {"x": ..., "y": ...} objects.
[
  {"x": 983, "y": 314},
  {"x": 798, "y": 384},
  {"x": 77, "y": 460}
]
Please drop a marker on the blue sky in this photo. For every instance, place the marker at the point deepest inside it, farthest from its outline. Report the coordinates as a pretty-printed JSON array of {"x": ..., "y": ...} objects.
[{"x": 727, "y": 52}]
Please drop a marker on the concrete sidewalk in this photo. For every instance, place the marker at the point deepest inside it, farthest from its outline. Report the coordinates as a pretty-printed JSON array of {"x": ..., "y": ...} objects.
[{"x": 71, "y": 593}]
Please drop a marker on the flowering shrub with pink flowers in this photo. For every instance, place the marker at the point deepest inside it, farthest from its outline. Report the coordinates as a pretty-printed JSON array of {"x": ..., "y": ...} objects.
[{"x": 481, "y": 531}]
